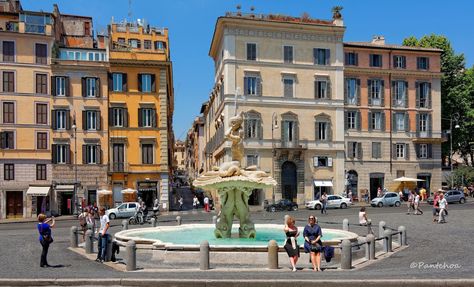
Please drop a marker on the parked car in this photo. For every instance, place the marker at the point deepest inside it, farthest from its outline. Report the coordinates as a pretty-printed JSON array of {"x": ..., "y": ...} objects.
[
  {"x": 282, "y": 204},
  {"x": 451, "y": 196},
  {"x": 334, "y": 201},
  {"x": 124, "y": 210},
  {"x": 388, "y": 199}
]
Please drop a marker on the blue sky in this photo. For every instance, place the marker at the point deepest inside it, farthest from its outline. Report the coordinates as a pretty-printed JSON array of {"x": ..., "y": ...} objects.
[{"x": 191, "y": 24}]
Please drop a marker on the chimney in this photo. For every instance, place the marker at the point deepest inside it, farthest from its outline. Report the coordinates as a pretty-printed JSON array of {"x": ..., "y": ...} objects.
[{"x": 379, "y": 40}]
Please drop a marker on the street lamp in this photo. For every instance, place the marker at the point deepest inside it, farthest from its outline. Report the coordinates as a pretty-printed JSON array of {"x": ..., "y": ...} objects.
[
  {"x": 274, "y": 127},
  {"x": 454, "y": 117},
  {"x": 74, "y": 127}
]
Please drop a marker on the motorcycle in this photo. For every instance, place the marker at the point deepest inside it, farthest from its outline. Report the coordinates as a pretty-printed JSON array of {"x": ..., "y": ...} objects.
[{"x": 142, "y": 216}]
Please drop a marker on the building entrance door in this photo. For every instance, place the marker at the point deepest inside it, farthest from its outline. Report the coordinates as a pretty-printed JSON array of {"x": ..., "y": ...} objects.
[
  {"x": 376, "y": 181},
  {"x": 66, "y": 203},
  {"x": 289, "y": 181},
  {"x": 426, "y": 183},
  {"x": 14, "y": 204}
]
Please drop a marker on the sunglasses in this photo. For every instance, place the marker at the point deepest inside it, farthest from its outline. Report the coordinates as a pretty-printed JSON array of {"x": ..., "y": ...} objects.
[{"x": 311, "y": 218}]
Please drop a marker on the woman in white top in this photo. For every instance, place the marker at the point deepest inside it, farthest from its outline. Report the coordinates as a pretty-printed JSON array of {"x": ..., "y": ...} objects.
[{"x": 362, "y": 217}]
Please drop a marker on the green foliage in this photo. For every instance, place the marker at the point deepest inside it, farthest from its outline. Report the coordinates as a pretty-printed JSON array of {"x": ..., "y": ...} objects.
[
  {"x": 457, "y": 94},
  {"x": 464, "y": 175}
]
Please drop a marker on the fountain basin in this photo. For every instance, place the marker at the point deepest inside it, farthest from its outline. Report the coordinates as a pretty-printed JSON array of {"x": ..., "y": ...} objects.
[{"x": 189, "y": 237}]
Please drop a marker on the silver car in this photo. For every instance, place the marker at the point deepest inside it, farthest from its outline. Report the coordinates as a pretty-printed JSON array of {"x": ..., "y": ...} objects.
[
  {"x": 124, "y": 210},
  {"x": 388, "y": 199}
]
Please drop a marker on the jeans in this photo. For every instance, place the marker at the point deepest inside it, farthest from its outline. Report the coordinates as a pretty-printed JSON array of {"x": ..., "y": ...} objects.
[
  {"x": 44, "y": 252},
  {"x": 323, "y": 209},
  {"x": 102, "y": 246}
]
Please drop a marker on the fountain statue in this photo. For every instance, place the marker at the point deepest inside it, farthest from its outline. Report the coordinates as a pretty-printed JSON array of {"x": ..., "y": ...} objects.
[{"x": 234, "y": 185}]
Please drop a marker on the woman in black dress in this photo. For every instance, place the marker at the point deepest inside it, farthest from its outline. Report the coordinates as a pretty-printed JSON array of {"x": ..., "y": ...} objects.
[{"x": 291, "y": 246}]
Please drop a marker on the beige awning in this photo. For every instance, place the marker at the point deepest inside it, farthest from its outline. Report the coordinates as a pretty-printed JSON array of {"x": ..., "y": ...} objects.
[
  {"x": 64, "y": 187},
  {"x": 104, "y": 191},
  {"x": 38, "y": 190},
  {"x": 323, "y": 183},
  {"x": 129, "y": 190}
]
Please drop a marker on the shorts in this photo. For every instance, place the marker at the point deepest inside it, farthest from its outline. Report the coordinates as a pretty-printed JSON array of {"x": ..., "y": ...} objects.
[{"x": 435, "y": 211}]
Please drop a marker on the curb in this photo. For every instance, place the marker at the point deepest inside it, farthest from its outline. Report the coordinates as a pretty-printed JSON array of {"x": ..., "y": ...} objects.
[{"x": 233, "y": 282}]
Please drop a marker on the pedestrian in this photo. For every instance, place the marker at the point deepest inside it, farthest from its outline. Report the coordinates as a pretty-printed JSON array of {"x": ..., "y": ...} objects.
[
  {"x": 324, "y": 202},
  {"x": 416, "y": 205},
  {"x": 156, "y": 207},
  {"x": 443, "y": 206},
  {"x": 410, "y": 200},
  {"x": 45, "y": 237},
  {"x": 181, "y": 202},
  {"x": 362, "y": 217},
  {"x": 83, "y": 222},
  {"x": 379, "y": 192},
  {"x": 90, "y": 220},
  {"x": 103, "y": 235},
  {"x": 206, "y": 203},
  {"x": 291, "y": 246},
  {"x": 436, "y": 207},
  {"x": 400, "y": 194},
  {"x": 313, "y": 245},
  {"x": 422, "y": 193},
  {"x": 195, "y": 202},
  {"x": 350, "y": 196}
]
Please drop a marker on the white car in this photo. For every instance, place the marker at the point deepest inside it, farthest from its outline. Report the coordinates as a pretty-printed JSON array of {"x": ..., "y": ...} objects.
[
  {"x": 334, "y": 201},
  {"x": 124, "y": 210}
]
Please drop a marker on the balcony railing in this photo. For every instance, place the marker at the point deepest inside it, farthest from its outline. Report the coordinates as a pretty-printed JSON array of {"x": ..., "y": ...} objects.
[
  {"x": 34, "y": 28},
  {"x": 119, "y": 167}
]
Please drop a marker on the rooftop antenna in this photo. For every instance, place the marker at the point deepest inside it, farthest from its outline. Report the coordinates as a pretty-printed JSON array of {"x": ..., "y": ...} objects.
[{"x": 130, "y": 10}]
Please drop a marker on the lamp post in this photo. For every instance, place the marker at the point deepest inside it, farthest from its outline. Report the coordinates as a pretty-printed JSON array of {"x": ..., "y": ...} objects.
[
  {"x": 274, "y": 127},
  {"x": 74, "y": 127},
  {"x": 455, "y": 116}
]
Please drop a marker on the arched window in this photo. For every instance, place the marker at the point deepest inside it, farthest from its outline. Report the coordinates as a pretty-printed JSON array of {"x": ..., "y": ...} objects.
[{"x": 253, "y": 125}]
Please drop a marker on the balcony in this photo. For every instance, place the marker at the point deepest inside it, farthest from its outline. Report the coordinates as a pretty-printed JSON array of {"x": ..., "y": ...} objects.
[
  {"x": 35, "y": 23},
  {"x": 11, "y": 26},
  {"x": 119, "y": 167}
]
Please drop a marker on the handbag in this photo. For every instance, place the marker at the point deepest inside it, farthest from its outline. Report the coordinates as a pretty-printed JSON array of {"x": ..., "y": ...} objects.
[
  {"x": 46, "y": 237},
  {"x": 316, "y": 247}
]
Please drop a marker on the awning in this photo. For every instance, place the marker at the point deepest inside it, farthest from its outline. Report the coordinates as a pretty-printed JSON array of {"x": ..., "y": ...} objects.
[
  {"x": 64, "y": 187},
  {"x": 38, "y": 190},
  {"x": 323, "y": 183}
]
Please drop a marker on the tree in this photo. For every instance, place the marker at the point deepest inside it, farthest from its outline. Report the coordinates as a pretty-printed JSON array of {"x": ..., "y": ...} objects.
[{"x": 457, "y": 93}]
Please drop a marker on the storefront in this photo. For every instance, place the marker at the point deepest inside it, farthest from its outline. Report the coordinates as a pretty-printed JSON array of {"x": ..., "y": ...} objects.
[
  {"x": 321, "y": 186},
  {"x": 147, "y": 191},
  {"x": 40, "y": 199},
  {"x": 65, "y": 193}
]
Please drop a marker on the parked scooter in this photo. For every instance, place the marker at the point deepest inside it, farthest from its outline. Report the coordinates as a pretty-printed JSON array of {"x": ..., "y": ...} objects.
[{"x": 142, "y": 216}]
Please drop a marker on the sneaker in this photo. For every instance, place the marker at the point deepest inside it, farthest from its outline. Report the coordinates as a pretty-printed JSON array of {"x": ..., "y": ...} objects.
[{"x": 294, "y": 269}]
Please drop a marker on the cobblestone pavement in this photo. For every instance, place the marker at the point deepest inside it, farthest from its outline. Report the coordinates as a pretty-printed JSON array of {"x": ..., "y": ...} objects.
[{"x": 435, "y": 250}]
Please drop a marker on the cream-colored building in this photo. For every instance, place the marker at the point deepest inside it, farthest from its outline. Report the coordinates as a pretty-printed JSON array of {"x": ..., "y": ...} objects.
[{"x": 286, "y": 75}]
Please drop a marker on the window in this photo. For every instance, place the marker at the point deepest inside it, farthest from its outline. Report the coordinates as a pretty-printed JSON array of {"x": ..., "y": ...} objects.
[
  {"x": 423, "y": 93},
  {"x": 119, "y": 117},
  {"x": 376, "y": 120},
  {"x": 423, "y": 122},
  {"x": 147, "y": 117},
  {"x": 147, "y": 153},
  {"x": 7, "y": 140},
  {"x": 60, "y": 87},
  {"x": 41, "y": 54},
  {"x": 400, "y": 150},
  {"x": 146, "y": 83},
  {"x": 8, "y": 112},
  {"x": 375, "y": 60},
  {"x": 400, "y": 96},
  {"x": 251, "y": 129},
  {"x": 41, "y": 84},
  {"x": 322, "y": 161},
  {"x": 135, "y": 43},
  {"x": 399, "y": 62},
  {"x": 61, "y": 154},
  {"x": 91, "y": 154},
  {"x": 92, "y": 87},
  {"x": 8, "y": 51},
  {"x": 424, "y": 151},
  {"x": 322, "y": 89},
  {"x": 288, "y": 54},
  {"x": 375, "y": 88},
  {"x": 352, "y": 120},
  {"x": 9, "y": 171},
  {"x": 147, "y": 44},
  {"x": 42, "y": 114},
  {"x": 251, "y": 51},
  {"x": 41, "y": 140},
  {"x": 288, "y": 88},
  {"x": 354, "y": 150},
  {"x": 9, "y": 82},
  {"x": 400, "y": 122},
  {"x": 87, "y": 28},
  {"x": 119, "y": 82},
  {"x": 376, "y": 150},
  {"x": 351, "y": 59},
  {"x": 61, "y": 119},
  {"x": 92, "y": 120},
  {"x": 322, "y": 130},
  {"x": 423, "y": 63},
  {"x": 252, "y": 159},
  {"x": 159, "y": 45},
  {"x": 400, "y": 173},
  {"x": 352, "y": 91},
  {"x": 321, "y": 56},
  {"x": 251, "y": 86},
  {"x": 118, "y": 157},
  {"x": 289, "y": 131},
  {"x": 41, "y": 172}
]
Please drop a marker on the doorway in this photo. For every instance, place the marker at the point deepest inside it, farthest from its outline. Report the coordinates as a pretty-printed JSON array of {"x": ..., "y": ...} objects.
[
  {"x": 254, "y": 198},
  {"x": 352, "y": 182},
  {"x": 91, "y": 197},
  {"x": 14, "y": 204},
  {"x": 376, "y": 181},
  {"x": 289, "y": 181},
  {"x": 66, "y": 202},
  {"x": 426, "y": 183}
]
